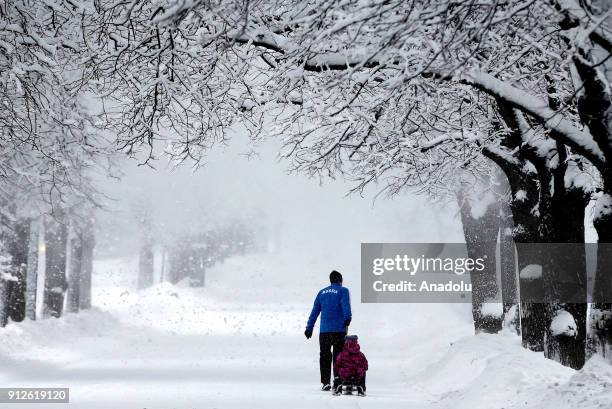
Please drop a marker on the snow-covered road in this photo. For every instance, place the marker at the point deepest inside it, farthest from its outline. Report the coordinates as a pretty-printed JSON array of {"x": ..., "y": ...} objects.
[
  {"x": 128, "y": 368},
  {"x": 114, "y": 366},
  {"x": 173, "y": 347},
  {"x": 108, "y": 363}
]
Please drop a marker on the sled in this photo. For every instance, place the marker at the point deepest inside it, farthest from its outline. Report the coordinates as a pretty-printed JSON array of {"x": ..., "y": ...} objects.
[{"x": 348, "y": 389}]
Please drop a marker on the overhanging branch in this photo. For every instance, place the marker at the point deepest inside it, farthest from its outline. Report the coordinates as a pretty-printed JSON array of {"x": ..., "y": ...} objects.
[{"x": 581, "y": 141}]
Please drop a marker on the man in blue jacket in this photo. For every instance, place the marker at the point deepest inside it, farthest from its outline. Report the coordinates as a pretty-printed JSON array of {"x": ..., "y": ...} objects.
[{"x": 334, "y": 304}]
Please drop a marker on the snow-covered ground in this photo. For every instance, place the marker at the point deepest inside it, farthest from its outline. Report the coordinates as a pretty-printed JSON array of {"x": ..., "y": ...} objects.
[{"x": 238, "y": 343}]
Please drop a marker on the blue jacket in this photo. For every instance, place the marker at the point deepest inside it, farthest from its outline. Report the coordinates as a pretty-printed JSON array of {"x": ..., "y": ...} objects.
[{"x": 334, "y": 305}]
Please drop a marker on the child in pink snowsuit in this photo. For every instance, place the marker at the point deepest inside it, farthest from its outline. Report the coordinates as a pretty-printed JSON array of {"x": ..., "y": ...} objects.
[{"x": 352, "y": 365}]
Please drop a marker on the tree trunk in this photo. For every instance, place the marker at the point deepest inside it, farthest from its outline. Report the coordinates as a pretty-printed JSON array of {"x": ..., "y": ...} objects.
[
  {"x": 507, "y": 259},
  {"x": 527, "y": 235},
  {"x": 601, "y": 311},
  {"x": 532, "y": 309},
  {"x": 3, "y": 304},
  {"x": 566, "y": 278},
  {"x": 87, "y": 236},
  {"x": 74, "y": 259},
  {"x": 197, "y": 267},
  {"x": 32, "y": 270},
  {"x": 41, "y": 274},
  {"x": 180, "y": 256},
  {"x": 507, "y": 262},
  {"x": 481, "y": 240},
  {"x": 145, "y": 265},
  {"x": 17, "y": 246},
  {"x": 595, "y": 111},
  {"x": 146, "y": 261},
  {"x": 55, "y": 280},
  {"x": 564, "y": 304},
  {"x": 162, "y": 267},
  {"x": 5, "y": 275},
  {"x": 3, "y": 294},
  {"x": 524, "y": 200}
]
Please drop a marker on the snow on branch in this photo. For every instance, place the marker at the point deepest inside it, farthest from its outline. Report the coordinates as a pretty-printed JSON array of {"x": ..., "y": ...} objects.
[
  {"x": 579, "y": 139},
  {"x": 378, "y": 91},
  {"x": 593, "y": 27}
]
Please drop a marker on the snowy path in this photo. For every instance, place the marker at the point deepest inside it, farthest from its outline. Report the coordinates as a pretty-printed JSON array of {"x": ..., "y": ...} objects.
[
  {"x": 109, "y": 365},
  {"x": 181, "y": 348}
]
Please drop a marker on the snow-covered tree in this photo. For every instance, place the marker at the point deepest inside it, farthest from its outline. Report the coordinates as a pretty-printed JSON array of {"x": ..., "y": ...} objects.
[{"x": 50, "y": 144}]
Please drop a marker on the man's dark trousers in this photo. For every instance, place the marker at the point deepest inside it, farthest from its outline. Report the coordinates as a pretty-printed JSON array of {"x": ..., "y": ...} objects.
[{"x": 330, "y": 344}]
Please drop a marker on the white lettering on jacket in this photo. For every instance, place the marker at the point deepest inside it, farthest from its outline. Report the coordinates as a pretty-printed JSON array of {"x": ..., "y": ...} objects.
[{"x": 330, "y": 290}]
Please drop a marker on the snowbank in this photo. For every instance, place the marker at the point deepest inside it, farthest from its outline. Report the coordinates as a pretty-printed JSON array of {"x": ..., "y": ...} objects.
[
  {"x": 494, "y": 371},
  {"x": 50, "y": 339}
]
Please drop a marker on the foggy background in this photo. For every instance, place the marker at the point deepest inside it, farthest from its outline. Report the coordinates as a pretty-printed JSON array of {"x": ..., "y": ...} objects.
[{"x": 305, "y": 220}]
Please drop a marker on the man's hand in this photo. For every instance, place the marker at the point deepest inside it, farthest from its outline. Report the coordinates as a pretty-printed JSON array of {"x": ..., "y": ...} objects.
[{"x": 308, "y": 333}]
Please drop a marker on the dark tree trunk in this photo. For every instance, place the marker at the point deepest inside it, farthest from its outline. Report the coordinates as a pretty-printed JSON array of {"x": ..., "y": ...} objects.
[
  {"x": 507, "y": 257},
  {"x": 17, "y": 246},
  {"x": 533, "y": 310},
  {"x": 563, "y": 297},
  {"x": 87, "y": 236},
  {"x": 507, "y": 262},
  {"x": 568, "y": 349},
  {"x": 601, "y": 311},
  {"x": 481, "y": 240},
  {"x": 5, "y": 278},
  {"x": 525, "y": 197},
  {"x": 3, "y": 302},
  {"x": 55, "y": 278},
  {"x": 566, "y": 278},
  {"x": 595, "y": 111}
]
